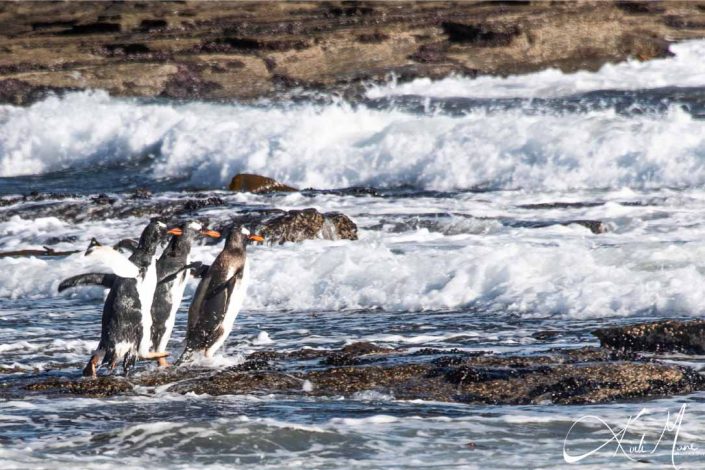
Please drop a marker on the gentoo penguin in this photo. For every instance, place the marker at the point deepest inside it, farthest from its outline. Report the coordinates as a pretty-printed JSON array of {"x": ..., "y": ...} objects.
[
  {"x": 127, "y": 319},
  {"x": 218, "y": 297},
  {"x": 172, "y": 270}
]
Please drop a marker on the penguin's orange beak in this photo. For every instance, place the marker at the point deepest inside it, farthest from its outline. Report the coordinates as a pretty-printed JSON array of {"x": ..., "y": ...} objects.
[
  {"x": 210, "y": 233},
  {"x": 256, "y": 238},
  {"x": 175, "y": 231}
]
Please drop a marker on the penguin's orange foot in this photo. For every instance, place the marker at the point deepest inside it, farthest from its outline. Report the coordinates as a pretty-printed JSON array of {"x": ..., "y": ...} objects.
[
  {"x": 90, "y": 370},
  {"x": 162, "y": 362}
]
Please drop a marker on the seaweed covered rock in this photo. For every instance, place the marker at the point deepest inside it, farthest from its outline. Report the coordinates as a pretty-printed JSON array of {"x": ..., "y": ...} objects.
[
  {"x": 568, "y": 376},
  {"x": 308, "y": 224},
  {"x": 662, "y": 336}
]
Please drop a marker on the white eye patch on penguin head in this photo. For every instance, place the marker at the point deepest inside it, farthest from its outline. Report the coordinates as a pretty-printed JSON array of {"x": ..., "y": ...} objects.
[{"x": 244, "y": 231}]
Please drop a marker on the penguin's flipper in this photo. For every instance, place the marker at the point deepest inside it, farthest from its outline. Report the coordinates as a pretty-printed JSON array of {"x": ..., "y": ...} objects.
[
  {"x": 191, "y": 266},
  {"x": 98, "y": 279},
  {"x": 228, "y": 285},
  {"x": 200, "y": 271},
  {"x": 126, "y": 244},
  {"x": 194, "y": 310}
]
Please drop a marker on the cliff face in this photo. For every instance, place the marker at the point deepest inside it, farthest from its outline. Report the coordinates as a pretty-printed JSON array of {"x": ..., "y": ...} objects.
[{"x": 231, "y": 50}]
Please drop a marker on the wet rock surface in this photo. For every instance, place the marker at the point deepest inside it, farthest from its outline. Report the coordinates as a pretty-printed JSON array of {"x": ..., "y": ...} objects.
[
  {"x": 257, "y": 184},
  {"x": 308, "y": 224},
  {"x": 659, "y": 337},
  {"x": 577, "y": 376},
  {"x": 248, "y": 50},
  {"x": 277, "y": 225}
]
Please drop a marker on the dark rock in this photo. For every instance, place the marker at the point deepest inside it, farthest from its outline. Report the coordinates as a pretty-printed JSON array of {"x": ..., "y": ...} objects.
[
  {"x": 141, "y": 193},
  {"x": 364, "y": 347},
  {"x": 256, "y": 44},
  {"x": 595, "y": 226},
  {"x": 92, "y": 28},
  {"x": 257, "y": 184},
  {"x": 561, "y": 205},
  {"x": 578, "y": 376},
  {"x": 308, "y": 224},
  {"x": 187, "y": 83},
  {"x": 637, "y": 8},
  {"x": 149, "y": 25},
  {"x": 372, "y": 38},
  {"x": 100, "y": 387},
  {"x": 45, "y": 252},
  {"x": 61, "y": 239},
  {"x": 679, "y": 22},
  {"x": 240, "y": 382},
  {"x": 197, "y": 204},
  {"x": 545, "y": 335},
  {"x": 20, "y": 92},
  {"x": 126, "y": 49},
  {"x": 483, "y": 35},
  {"x": 660, "y": 337},
  {"x": 103, "y": 199},
  {"x": 338, "y": 359}
]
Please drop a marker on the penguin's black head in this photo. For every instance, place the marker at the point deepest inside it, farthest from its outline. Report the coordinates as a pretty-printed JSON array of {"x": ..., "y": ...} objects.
[
  {"x": 152, "y": 235},
  {"x": 239, "y": 237},
  {"x": 94, "y": 243}
]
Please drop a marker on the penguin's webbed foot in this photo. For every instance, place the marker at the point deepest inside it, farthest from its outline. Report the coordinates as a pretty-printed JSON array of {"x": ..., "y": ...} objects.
[{"x": 91, "y": 368}]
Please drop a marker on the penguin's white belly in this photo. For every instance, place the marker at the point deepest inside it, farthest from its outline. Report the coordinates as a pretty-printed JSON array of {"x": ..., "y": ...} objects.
[
  {"x": 234, "y": 306},
  {"x": 145, "y": 291},
  {"x": 176, "y": 294}
]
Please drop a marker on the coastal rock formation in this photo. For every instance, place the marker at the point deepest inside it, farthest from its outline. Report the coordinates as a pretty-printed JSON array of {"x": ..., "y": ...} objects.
[
  {"x": 660, "y": 337},
  {"x": 308, "y": 224},
  {"x": 257, "y": 184},
  {"x": 579, "y": 376},
  {"x": 248, "y": 50}
]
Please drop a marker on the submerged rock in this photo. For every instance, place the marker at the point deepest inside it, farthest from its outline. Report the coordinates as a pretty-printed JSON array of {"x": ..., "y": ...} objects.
[
  {"x": 257, "y": 184},
  {"x": 308, "y": 224},
  {"x": 663, "y": 336}
]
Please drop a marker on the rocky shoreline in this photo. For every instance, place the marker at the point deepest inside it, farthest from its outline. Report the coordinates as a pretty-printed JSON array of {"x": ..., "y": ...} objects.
[
  {"x": 251, "y": 50},
  {"x": 560, "y": 376}
]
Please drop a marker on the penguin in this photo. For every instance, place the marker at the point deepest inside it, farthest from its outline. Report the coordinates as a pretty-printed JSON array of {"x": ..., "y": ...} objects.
[
  {"x": 218, "y": 297},
  {"x": 127, "y": 319},
  {"x": 172, "y": 270}
]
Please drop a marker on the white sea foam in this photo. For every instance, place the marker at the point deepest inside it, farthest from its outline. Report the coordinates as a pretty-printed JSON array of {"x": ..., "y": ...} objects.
[
  {"x": 684, "y": 69},
  {"x": 209, "y": 143},
  {"x": 571, "y": 278}
]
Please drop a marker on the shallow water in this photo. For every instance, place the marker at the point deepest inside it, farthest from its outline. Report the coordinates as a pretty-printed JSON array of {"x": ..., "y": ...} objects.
[{"x": 466, "y": 244}]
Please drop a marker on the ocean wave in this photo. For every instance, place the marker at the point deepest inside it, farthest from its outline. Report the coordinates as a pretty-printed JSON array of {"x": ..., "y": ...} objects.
[
  {"x": 571, "y": 278},
  {"x": 208, "y": 143},
  {"x": 684, "y": 69}
]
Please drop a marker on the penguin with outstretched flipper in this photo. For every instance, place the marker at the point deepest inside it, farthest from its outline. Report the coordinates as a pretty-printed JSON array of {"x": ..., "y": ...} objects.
[
  {"x": 219, "y": 297},
  {"x": 127, "y": 318}
]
